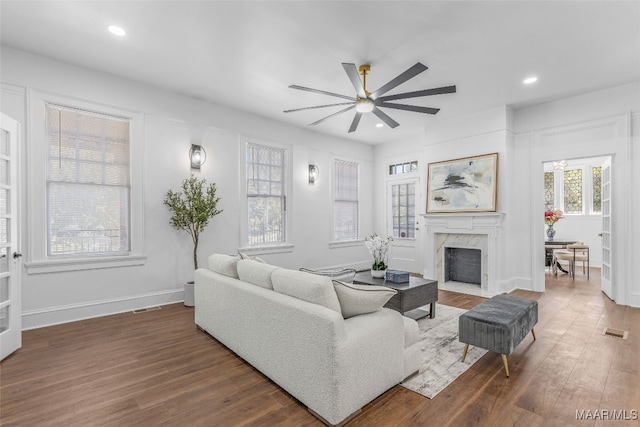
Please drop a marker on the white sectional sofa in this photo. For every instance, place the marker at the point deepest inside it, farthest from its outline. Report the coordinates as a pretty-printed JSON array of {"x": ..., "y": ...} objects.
[{"x": 291, "y": 326}]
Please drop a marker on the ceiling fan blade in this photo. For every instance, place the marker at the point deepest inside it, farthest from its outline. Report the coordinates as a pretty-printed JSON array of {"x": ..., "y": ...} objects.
[
  {"x": 426, "y": 92},
  {"x": 414, "y": 108},
  {"x": 354, "y": 76},
  {"x": 334, "y": 114},
  {"x": 322, "y": 92},
  {"x": 354, "y": 123},
  {"x": 382, "y": 116},
  {"x": 409, "y": 74},
  {"x": 317, "y": 106}
]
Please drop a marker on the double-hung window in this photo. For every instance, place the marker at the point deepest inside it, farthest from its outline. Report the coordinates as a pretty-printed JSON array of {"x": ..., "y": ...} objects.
[
  {"x": 345, "y": 200},
  {"x": 266, "y": 195},
  {"x": 88, "y": 183},
  {"x": 85, "y": 185}
]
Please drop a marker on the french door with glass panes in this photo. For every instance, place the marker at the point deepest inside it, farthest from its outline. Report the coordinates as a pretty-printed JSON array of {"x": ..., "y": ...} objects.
[
  {"x": 403, "y": 223},
  {"x": 10, "y": 311}
]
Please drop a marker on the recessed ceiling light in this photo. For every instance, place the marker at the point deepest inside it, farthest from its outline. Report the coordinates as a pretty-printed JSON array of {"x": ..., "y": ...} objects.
[
  {"x": 379, "y": 125},
  {"x": 530, "y": 80},
  {"x": 117, "y": 30}
]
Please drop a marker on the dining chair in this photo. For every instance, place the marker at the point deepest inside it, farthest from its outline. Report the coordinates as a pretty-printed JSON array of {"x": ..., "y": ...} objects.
[
  {"x": 548, "y": 255},
  {"x": 576, "y": 252}
]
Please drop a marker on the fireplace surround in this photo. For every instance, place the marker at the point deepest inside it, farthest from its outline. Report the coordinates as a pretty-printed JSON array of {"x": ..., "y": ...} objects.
[{"x": 481, "y": 231}]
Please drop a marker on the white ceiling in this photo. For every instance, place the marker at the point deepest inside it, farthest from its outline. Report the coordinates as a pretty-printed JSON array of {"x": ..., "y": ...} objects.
[{"x": 246, "y": 54}]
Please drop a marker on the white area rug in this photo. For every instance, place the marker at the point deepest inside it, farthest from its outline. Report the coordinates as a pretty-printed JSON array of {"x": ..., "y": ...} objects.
[{"x": 441, "y": 352}]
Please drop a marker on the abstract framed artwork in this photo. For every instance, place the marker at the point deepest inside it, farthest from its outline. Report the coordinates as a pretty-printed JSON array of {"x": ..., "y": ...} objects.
[{"x": 469, "y": 184}]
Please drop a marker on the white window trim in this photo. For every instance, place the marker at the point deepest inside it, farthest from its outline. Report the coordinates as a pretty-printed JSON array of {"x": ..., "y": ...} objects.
[
  {"x": 37, "y": 259},
  {"x": 283, "y": 247},
  {"x": 358, "y": 240}
]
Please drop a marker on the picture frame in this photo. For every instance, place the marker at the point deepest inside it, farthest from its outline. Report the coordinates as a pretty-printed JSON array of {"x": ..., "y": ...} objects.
[{"x": 468, "y": 184}]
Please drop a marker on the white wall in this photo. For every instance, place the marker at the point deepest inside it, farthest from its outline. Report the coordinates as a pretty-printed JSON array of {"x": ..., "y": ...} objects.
[
  {"x": 172, "y": 123},
  {"x": 605, "y": 122}
]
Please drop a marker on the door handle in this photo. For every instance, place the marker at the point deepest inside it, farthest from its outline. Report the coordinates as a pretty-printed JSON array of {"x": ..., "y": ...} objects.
[{"x": 16, "y": 255}]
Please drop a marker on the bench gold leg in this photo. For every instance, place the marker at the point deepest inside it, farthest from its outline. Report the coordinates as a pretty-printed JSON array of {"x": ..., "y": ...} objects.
[
  {"x": 466, "y": 348},
  {"x": 506, "y": 365},
  {"x": 533, "y": 333}
]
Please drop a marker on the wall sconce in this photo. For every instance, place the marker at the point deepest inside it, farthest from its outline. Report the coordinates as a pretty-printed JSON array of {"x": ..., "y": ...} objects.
[
  {"x": 197, "y": 156},
  {"x": 313, "y": 173}
]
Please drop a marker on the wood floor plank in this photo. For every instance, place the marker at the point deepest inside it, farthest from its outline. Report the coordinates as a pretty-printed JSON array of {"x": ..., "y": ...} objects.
[{"x": 156, "y": 368}]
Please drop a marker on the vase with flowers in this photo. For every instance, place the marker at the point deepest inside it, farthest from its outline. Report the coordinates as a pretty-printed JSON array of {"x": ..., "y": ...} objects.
[
  {"x": 379, "y": 248},
  {"x": 550, "y": 218}
]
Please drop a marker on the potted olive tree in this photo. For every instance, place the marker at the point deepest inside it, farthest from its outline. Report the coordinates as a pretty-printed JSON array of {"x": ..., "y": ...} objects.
[{"x": 191, "y": 210}]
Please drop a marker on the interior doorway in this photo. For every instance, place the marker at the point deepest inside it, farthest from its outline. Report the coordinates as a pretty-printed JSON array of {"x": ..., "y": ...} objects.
[{"x": 580, "y": 189}]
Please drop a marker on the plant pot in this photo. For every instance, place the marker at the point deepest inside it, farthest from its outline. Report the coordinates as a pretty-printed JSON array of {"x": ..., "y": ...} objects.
[
  {"x": 378, "y": 274},
  {"x": 189, "y": 299}
]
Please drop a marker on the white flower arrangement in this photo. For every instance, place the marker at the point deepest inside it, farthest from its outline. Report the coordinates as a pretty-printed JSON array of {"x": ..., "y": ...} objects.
[{"x": 378, "y": 247}]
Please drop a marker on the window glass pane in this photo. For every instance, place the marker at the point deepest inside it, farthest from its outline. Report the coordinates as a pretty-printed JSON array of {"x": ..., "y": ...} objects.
[
  {"x": 403, "y": 211},
  {"x": 88, "y": 182},
  {"x": 102, "y": 226},
  {"x": 4, "y": 142},
  {"x": 597, "y": 190},
  {"x": 573, "y": 191},
  {"x": 266, "y": 195},
  {"x": 265, "y": 220},
  {"x": 549, "y": 202},
  {"x": 345, "y": 207}
]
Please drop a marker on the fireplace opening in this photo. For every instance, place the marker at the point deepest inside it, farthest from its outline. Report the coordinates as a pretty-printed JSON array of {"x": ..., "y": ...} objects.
[{"x": 463, "y": 265}]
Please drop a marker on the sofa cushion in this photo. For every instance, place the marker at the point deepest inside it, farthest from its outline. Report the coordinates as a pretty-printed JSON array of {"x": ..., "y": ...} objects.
[
  {"x": 411, "y": 332},
  {"x": 227, "y": 265},
  {"x": 306, "y": 286},
  {"x": 361, "y": 299},
  {"x": 256, "y": 272}
]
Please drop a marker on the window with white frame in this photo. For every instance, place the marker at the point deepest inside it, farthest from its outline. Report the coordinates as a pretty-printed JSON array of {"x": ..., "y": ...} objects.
[
  {"x": 266, "y": 195},
  {"x": 87, "y": 183},
  {"x": 403, "y": 210},
  {"x": 401, "y": 168},
  {"x": 575, "y": 189},
  {"x": 345, "y": 200}
]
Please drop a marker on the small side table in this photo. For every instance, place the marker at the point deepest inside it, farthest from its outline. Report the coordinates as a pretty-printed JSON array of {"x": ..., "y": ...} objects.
[{"x": 411, "y": 295}]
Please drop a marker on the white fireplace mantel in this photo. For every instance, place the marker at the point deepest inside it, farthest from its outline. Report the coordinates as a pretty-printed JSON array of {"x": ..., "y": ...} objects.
[{"x": 486, "y": 224}]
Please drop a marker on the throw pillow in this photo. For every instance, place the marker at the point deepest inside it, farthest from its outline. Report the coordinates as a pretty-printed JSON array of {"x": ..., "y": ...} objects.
[
  {"x": 306, "y": 286},
  {"x": 227, "y": 265},
  {"x": 361, "y": 299},
  {"x": 254, "y": 258},
  {"x": 256, "y": 272}
]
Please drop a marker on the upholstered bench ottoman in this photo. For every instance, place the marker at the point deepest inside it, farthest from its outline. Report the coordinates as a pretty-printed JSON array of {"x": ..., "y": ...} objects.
[{"x": 498, "y": 324}]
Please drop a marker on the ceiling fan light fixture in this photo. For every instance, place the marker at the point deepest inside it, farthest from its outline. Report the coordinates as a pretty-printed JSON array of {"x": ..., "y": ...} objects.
[{"x": 364, "y": 105}]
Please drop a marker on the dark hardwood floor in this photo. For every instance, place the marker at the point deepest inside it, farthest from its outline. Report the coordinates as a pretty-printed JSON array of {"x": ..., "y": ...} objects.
[{"x": 156, "y": 368}]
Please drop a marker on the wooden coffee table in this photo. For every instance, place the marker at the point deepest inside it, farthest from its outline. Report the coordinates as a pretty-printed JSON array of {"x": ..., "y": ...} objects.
[{"x": 411, "y": 295}]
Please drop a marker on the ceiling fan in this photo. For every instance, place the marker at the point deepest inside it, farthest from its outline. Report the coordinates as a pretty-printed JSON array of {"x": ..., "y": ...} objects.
[{"x": 371, "y": 102}]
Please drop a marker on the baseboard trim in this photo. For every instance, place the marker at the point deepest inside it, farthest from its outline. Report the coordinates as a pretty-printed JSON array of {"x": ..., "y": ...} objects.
[{"x": 33, "y": 319}]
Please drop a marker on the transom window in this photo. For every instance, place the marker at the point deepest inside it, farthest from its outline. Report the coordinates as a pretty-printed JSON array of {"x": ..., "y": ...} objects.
[
  {"x": 88, "y": 182},
  {"x": 266, "y": 196},
  {"x": 406, "y": 167}
]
